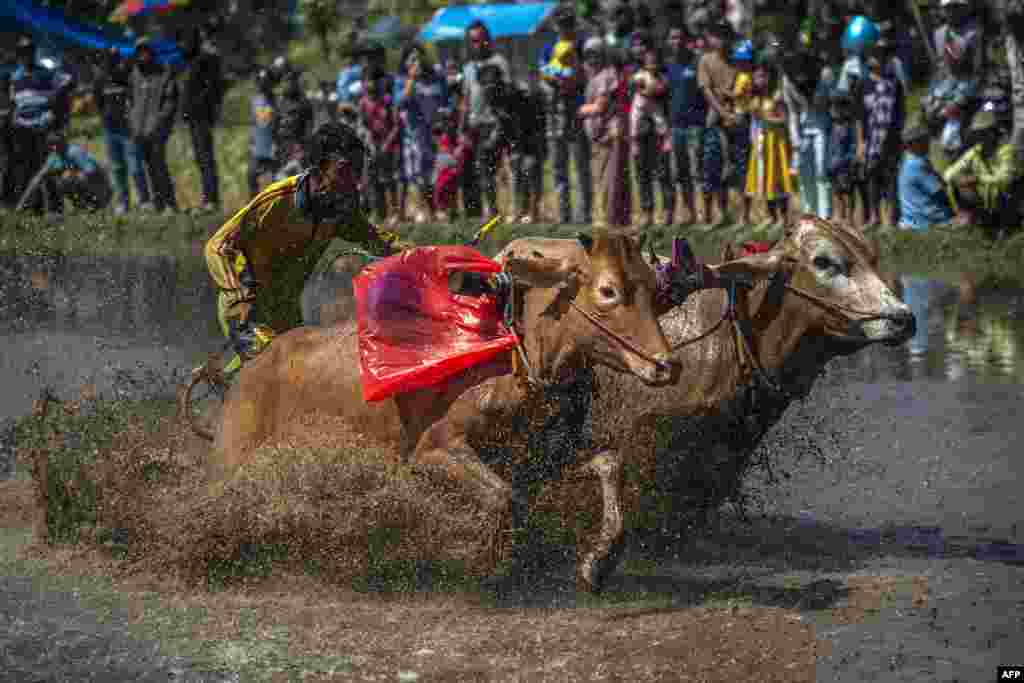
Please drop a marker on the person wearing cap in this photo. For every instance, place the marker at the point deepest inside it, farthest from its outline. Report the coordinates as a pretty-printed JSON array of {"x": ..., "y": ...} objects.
[
  {"x": 562, "y": 73},
  {"x": 923, "y": 198},
  {"x": 985, "y": 182},
  {"x": 155, "y": 98},
  {"x": 112, "y": 89},
  {"x": 716, "y": 75},
  {"x": 77, "y": 176},
  {"x": 40, "y": 106}
]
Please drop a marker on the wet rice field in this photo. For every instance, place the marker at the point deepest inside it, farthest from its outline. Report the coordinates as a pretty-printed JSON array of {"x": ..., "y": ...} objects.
[{"x": 918, "y": 479}]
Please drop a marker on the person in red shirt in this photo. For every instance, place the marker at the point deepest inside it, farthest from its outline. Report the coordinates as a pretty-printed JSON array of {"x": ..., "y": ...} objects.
[{"x": 379, "y": 116}]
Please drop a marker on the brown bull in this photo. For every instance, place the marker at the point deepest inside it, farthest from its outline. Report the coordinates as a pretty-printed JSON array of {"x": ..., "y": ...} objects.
[
  {"x": 732, "y": 390},
  {"x": 593, "y": 308}
]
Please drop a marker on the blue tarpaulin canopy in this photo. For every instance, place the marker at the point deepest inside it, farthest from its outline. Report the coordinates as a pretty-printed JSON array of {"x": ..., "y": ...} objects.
[
  {"x": 503, "y": 21},
  {"x": 55, "y": 26}
]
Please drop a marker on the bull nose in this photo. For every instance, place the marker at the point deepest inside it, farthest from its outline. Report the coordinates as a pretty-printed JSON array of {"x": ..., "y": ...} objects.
[
  {"x": 905, "y": 323},
  {"x": 666, "y": 368}
]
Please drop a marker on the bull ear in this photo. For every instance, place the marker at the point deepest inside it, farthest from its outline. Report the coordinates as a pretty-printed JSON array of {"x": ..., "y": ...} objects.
[
  {"x": 538, "y": 272},
  {"x": 587, "y": 241},
  {"x": 756, "y": 266},
  {"x": 641, "y": 240}
]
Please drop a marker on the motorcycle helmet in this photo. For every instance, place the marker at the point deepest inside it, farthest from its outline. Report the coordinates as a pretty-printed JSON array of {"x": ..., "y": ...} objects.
[{"x": 860, "y": 35}]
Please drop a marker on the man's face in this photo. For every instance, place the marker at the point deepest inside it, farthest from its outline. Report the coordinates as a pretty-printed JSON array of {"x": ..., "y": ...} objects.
[
  {"x": 478, "y": 42},
  {"x": 713, "y": 41},
  {"x": 675, "y": 42}
]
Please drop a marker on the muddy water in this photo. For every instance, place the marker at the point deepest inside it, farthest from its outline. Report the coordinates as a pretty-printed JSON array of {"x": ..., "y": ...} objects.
[{"x": 921, "y": 452}]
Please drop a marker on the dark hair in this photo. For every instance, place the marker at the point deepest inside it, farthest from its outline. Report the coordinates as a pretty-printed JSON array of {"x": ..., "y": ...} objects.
[
  {"x": 490, "y": 74},
  {"x": 479, "y": 24},
  {"x": 333, "y": 140}
]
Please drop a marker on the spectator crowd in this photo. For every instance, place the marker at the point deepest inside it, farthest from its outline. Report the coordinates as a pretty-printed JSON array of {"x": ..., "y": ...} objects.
[{"x": 710, "y": 126}]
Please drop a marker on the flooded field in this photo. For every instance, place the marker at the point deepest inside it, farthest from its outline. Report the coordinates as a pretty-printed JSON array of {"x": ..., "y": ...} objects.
[{"x": 919, "y": 483}]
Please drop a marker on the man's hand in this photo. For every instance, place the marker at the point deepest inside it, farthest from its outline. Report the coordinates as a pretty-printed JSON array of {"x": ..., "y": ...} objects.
[{"x": 967, "y": 181}]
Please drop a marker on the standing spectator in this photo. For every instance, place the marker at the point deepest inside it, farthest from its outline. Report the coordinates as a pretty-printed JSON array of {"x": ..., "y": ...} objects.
[
  {"x": 6, "y": 158},
  {"x": 952, "y": 95},
  {"x": 717, "y": 79},
  {"x": 112, "y": 91},
  {"x": 924, "y": 201},
  {"x": 422, "y": 95},
  {"x": 326, "y": 109},
  {"x": 844, "y": 166},
  {"x": 520, "y": 115},
  {"x": 40, "y": 106},
  {"x": 563, "y": 75},
  {"x": 687, "y": 113},
  {"x": 883, "y": 121},
  {"x": 605, "y": 122},
  {"x": 154, "y": 105},
  {"x": 743, "y": 105},
  {"x": 986, "y": 181},
  {"x": 768, "y": 173},
  {"x": 203, "y": 96},
  {"x": 806, "y": 91},
  {"x": 263, "y": 122},
  {"x": 1015, "y": 58},
  {"x": 650, "y": 137},
  {"x": 379, "y": 115},
  {"x": 480, "y": 120},
  {"x": 295, "y": 124}
]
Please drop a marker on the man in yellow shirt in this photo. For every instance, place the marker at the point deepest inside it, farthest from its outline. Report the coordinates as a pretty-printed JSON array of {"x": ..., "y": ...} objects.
[
  {"x": 985, "y": 183},
  {"x": 289, "y": 223}
]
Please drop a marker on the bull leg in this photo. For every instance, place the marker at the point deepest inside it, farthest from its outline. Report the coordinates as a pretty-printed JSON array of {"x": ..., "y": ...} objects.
[
  {"x": 460, "y": 464},
  {"x": 599, "y": 559}
]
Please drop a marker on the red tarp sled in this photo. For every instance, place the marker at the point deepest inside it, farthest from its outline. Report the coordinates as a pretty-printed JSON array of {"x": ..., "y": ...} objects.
[
  {"x": 755, "y": 247},
  {"x": 413, "y": 332}
]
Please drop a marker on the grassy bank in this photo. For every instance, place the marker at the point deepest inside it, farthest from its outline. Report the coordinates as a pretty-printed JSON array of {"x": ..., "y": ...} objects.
[{"x": 941, "y": 252}]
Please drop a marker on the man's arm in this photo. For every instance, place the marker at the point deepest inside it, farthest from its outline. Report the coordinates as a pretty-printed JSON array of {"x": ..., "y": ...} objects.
[
  {"x": 169, "y": 105},
  {"x": 1005, "y": 170},
  {"x": 963, "y": 166}
]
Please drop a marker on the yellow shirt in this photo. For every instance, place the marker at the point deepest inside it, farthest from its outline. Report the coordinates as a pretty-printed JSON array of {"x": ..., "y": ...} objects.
[
  {"x": 273, "y": 227},
  {"x": 742, "y": 93},
  {"x": 995, "y": 175}
]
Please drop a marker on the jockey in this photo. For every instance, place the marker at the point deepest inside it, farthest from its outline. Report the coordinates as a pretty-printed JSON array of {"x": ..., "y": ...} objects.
[{"x": 284, "y": 223}]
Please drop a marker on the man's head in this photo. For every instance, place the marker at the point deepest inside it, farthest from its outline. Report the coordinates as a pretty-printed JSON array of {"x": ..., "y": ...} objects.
[
  {"x": 639, "y": 44},
  {"x": 56, "y": 142},
  {"x": 622, "y": 20},
  {"x": 594, "y": 55},
  {"x": 675, "y": 42},
  {"x": 337, "y": 156},
  {"x": 718, "y": 36},
  {"x": 916, "y": 140},
  {"x": 986, "y": 130},
  {"x": 144, "y": 51},
  {"x": 479, "y": 38},
  {"x": 565, "y": 23},
  {"x": 293, "y": 84},
  {"x": 26, "y": 52},
  {"x": 956, "y": 12}
]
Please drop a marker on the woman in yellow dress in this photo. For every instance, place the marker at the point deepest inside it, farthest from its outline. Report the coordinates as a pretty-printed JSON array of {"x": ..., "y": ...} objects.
[{"x": 768, "y": 174}]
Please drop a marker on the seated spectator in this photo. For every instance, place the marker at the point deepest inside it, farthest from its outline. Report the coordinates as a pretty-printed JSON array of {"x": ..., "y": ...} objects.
[
  {"x": 521, "y": 125},
  {"x": 985, "y": 182},
  {"x": 78, "y": 176},
  {"x": 922, "y": 194}
]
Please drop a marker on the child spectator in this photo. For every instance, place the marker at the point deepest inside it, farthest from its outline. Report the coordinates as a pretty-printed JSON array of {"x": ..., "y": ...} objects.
[
  {"x": 262, "y": 131},
  {"x": 650, "y": 142},
  {"x": 378, "y": 114},
  {"x": 768, "y": 173},
  {"x": 844, "y": 168},
  {"x": 742, "y": 105}
]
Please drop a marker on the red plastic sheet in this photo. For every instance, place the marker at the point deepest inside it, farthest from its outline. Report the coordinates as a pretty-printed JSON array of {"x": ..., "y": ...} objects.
[
  {"x": 754, "y": 247},
  {"x": 413, "y": 332}
]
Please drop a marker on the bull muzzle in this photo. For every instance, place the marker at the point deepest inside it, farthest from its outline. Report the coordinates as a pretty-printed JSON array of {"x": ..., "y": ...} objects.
[{"x": 892, "y": 329}]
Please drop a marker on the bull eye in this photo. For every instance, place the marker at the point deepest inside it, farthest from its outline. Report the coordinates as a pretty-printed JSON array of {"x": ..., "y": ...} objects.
[
  {"x": 827, "y": 264},
  {"x": 607, "y": 292}
]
